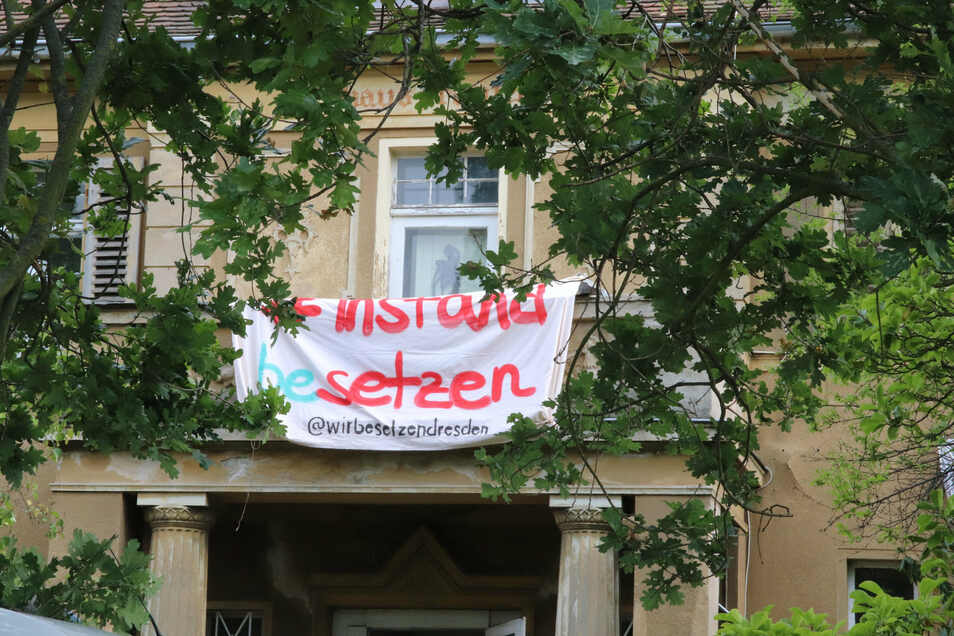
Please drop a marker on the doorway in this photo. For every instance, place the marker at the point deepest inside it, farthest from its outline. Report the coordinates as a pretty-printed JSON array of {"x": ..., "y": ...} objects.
[{"x": 385, "y": 622}]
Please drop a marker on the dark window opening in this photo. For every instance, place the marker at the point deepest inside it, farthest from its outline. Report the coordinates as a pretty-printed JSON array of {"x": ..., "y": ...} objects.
[
  {"x": 892, "y": 580},
  {"x": 234, "y": 623}
]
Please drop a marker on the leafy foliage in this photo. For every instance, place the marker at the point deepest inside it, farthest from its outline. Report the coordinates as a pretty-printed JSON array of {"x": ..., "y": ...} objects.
[
  {"x": 89, "y": 582},
  {"x": 706, "y": 183},
  {"x": 880, "y": 613},
  {"x": 151, "y": 385},
  {"x": 894, "y": 346},
  {"x": 684, "y": 175}
]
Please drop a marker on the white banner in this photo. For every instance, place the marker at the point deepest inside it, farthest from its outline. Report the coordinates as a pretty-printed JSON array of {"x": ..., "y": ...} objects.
[{"x": 411, "y": 373}]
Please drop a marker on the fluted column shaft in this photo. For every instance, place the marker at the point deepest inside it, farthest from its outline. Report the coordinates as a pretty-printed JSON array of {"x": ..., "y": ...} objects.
[
  {"x": 588, "y": 591},
  {"x": 180, "y": 556}
]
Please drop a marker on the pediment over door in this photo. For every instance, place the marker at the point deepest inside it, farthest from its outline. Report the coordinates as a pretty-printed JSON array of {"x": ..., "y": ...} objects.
[{"x": 420, "y": 575}]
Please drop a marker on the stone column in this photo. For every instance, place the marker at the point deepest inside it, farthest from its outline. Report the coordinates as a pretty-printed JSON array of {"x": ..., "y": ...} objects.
[
  {"x": 588, "y": 592},
  {"x": 180, "y": 556}
]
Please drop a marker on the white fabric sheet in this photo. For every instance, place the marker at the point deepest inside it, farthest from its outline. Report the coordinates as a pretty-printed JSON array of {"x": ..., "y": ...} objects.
[{"x": 412, "y": 373}]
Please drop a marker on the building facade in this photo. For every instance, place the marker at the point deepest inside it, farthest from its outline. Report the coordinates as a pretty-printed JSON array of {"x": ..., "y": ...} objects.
[{"x": 277, "y": 539}]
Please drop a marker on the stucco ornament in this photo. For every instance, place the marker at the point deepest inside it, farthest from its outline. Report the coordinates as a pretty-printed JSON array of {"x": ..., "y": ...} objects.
[
  {"x": 580, "y": 520},
  {"x": 179, "y": 517}
]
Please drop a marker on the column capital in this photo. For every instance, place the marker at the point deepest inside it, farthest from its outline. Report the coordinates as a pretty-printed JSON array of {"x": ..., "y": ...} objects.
[
  {"x": 580, "y": 520},
  {"x": 179, "y": 517}
]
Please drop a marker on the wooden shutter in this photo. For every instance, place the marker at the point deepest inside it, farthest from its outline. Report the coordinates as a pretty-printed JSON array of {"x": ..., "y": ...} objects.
[
  {"x": 852, "y": 208},
  {"x": 109, "y": 261}
]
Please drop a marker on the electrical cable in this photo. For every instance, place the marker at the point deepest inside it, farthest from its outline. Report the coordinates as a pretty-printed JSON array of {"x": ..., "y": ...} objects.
[
  {"x": 748, "y": 540},
  {"x": 748, "y": 560}
]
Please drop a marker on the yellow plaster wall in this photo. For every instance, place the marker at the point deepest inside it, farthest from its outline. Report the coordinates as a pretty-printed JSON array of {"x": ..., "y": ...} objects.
[
  {"x": 101, "y": 513},
  {"x": 694, "y": 615},
  {"x": 794, "y": 561},
  {"x": 32, "y": 509}
]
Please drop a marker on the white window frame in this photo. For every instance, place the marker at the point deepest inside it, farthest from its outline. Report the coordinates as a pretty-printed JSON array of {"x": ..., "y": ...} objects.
[
  {"x": 77, "y": 223},
  {"x": 263, "y": 609},
  {"x": 872, "y": 564},
  {"x": 391, "y": 222}
]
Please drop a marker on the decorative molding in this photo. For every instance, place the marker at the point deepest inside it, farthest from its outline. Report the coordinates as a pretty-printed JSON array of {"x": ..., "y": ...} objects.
[
  {"x": 172, "y": 499},
  {"x": 580, "y": 520},
  {"x": 586, "y": 501},
  {"x": 679, "y": 490},
  {"x": 696, "y": 490},
  {"x": 179, "y": 518}
]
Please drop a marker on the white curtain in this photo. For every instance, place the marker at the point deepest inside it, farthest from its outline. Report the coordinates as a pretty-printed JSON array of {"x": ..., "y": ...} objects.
[{"x": 432, "y": 256}]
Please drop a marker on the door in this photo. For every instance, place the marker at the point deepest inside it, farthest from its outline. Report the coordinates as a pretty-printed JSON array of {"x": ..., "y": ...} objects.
[
  {"x": 389, "y": 622},
  {"x": 516, "y": 627}
]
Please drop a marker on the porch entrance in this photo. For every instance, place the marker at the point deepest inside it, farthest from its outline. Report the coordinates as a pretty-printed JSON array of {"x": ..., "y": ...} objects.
[{"x": 349, "y": 569}]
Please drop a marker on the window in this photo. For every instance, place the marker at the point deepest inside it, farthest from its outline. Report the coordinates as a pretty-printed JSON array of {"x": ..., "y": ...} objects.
[
  {"x": 107, "y": 261},
  {"x": 886, "y": 573},
  {"x": 66, "y": 251},
  {"x": 64, "y": 246},
  {"x": 231, "y": 619},
  {"x": 435, "y": 227}
]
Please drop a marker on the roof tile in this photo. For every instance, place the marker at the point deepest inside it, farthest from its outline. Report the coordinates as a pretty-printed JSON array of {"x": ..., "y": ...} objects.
[{"x": 176, "y": 15}]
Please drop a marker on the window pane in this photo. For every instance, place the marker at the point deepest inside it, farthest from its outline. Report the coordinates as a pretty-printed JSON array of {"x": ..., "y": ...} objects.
[
  {"x": 411, "y": 168},
  {"x": 413, "y": 193},
  {"x": 65, "y": 253},
  {"x": 234, "y": 623},
  {"x": 444, "y": 194},
  {"x": 432, "y": 256},
  {"x": 477, "y": 169},
  {"x": 482, "y": 192},
  {"x": 892, "y": 581}
]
